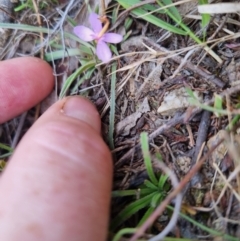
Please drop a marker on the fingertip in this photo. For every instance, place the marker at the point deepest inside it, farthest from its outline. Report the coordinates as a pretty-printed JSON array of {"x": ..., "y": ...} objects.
[
  {"x": 82, "y": 109},
  {"x": 24, "y": 82}
]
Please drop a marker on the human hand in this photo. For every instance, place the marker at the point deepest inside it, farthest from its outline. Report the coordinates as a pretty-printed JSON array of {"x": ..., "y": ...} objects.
[{"x": 57, "y": 184}]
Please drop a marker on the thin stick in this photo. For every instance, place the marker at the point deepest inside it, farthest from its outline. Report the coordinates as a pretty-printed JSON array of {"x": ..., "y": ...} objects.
[{"x": 173, "y": 194}]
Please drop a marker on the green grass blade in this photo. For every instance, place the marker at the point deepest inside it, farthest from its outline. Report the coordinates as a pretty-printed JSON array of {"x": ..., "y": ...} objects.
[
  {"x": 5, "y": 147},
  {"x": 87, "y": 75},
  {"x": 30, "y": 28},
  {"x": 194, "y": 101},
  {"x": 6, "y": 155},
  {"x": 73, "y": 76},
  {"x": 131, "y": 209},
  {"x": 150, "y": 185},
  {"x": 64, "y": 53},
  {"x": 123, "y": 193},
  {"x": 156, "y": 199},
  {"x": 140, "y": 12},
  {"x": 218, "y": 103},
  {"x": 122, "y": 232},
  {"x": 127, "y": 23},
  {"x": 112, "y": 106},
  {"x": 162, "y": 181},
  {"x": 147, "y": 157},
  {"x": 173, "y": 10},
  {"x": 146, "y": 215},
  {"x": 235, "y": 119}
]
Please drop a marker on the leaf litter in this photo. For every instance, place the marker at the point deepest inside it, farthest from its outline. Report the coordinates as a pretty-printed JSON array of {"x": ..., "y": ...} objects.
[{"x": 154, "y": 63}]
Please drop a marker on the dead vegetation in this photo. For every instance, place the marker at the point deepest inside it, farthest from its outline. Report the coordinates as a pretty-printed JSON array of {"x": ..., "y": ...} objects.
[{"x": 200, "y": 147}]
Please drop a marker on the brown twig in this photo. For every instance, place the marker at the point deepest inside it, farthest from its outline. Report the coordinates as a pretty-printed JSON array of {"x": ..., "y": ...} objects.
[
  {"x": 172, "y": 195},
  {"x": 201, "y": 138},
  {"x": 202, "y": 134}
]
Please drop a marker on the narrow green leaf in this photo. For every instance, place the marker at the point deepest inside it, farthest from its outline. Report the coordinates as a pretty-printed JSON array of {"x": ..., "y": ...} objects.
[
  {"x": 65, "y": 53},
  {"x": 173, "y": 10},
  {"x": 87, "y": 75},
  {"x": 146, "y": 215},
  {"x": 233, "y": 122},
  {"x": 136, "y": 192},
  {"x": 140, "y": 12},
  {"x": 126, "y": 36},
  {"x": 147, "y": 157},
  {"x": 162, "y": 181},
  {"x": 73, "y": 76},
  {"x": 150, "y": 185},
  {"x": 156, "y": 199},
  {"x": 30, "y": 28},
  {"x": 6, "y": 155},
  {"x": 131, "y": 209},
  {"x": 218, "y": 103},
  {"x": 112, "y": 106},
  {"x": 122, "y": 232},
  {"x": 127, "y": 23},
  {"x": 114, "y": 15},
  {"x": 190, "y": 93},
  {"x": 5, "y": 147}
]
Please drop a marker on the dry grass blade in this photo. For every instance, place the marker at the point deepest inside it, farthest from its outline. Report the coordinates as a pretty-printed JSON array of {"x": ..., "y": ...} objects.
[{"x": 219, "y": 8}]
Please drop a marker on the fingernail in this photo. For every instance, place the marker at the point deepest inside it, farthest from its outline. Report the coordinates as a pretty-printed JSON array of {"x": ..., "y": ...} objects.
[{"x": 82, "y": 109}]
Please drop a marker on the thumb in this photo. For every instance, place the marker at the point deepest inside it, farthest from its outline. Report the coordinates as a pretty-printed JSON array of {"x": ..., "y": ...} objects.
[{"x": 58, "y": 182}]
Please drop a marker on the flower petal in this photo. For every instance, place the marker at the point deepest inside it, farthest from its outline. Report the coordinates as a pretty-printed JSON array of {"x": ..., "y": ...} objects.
[
  {"x": 95, "y": 22},
  {"x": 84, "y": 33},
  {"x": 103, "y": 51},
  {"x": 112, "y": 38}
]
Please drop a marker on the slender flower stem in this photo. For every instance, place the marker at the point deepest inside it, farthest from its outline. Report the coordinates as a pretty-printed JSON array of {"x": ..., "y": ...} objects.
[{"x": 106, "y": 22}]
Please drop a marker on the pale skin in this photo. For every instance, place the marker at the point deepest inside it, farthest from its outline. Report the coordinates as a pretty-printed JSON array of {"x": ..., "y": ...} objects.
[{"x": 57, "y": 184}]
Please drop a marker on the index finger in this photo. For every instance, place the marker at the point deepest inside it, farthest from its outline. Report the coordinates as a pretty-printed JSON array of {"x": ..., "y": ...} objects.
[{"x": 24, "y": 82}]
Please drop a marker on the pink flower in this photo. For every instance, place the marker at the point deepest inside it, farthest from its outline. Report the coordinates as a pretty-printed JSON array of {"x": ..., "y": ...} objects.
[{"x": 86, "y": 34}]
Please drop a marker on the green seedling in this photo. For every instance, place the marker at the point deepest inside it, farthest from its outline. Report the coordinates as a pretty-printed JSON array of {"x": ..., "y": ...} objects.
[
  {"x": 149, "y": 195},
  {"x": 194, "y": 101}
]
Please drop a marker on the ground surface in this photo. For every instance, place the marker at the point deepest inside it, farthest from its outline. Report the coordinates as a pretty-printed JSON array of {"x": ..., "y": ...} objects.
[{"x": 154, "y": 71}]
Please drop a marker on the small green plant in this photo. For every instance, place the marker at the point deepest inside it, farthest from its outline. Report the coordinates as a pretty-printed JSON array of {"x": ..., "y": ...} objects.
[
  {"x": 150, "y": 194},
  {"x": 217, "y": 109}
]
